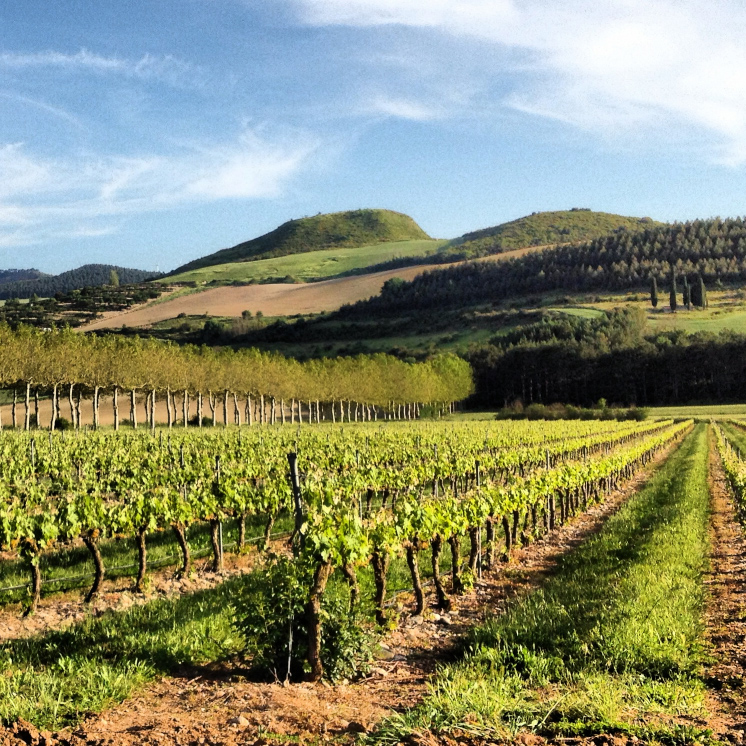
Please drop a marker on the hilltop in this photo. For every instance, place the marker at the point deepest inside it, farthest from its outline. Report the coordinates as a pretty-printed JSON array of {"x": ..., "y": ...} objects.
[
  {"x": 16, "y": 275},
  {"x": 340, "y": 230},
  {"x": 89, "y": 275},
  {"x": 544, "y": 228}
]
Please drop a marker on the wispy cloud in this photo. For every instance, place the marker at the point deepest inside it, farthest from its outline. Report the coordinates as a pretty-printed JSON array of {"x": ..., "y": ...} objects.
[
  {"x": 163, "y": 68},
  {"x": 610, "y": 67},
  {"x": 69, "y": 196}
]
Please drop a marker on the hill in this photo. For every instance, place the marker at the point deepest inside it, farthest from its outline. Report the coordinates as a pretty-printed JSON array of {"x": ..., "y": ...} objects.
[
  {"x": 714, "y": 249},
  {"x": 15, "y": 275},
  {"x": 542, "y": 228},
  {"x": 89, "y": 275},
  {"x": 309, "y": 266},
  {"x": 333, "y": 230}
]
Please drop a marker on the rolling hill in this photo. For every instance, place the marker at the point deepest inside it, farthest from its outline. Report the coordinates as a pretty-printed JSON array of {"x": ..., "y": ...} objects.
[
  {"x": 309, "y": 266},
  {"x": 336, "y": 230},
  {"x": 89, "y": 275},
  {"x": 543, "y": 228},
  {"x": 364, "y": 241}
]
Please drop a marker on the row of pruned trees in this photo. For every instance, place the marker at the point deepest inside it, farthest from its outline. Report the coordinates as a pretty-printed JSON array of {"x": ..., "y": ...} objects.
[{"x": 249, "y": 386}]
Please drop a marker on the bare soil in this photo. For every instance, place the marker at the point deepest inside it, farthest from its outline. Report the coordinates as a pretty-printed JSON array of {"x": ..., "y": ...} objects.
[
  {"x": 726, "y": 610},
  {"x": 218, "y": 705},
  {"x": 275, "y": 299}
]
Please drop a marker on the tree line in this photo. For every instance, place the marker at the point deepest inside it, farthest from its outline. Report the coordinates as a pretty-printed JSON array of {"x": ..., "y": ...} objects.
[
  {"x": 580, "y": 361},
  {"x": 250, "y": 386},
  {"x": 714, "y": 250}
]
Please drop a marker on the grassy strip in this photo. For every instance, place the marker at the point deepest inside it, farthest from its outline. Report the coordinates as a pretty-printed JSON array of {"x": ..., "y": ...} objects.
[{"x": 613, "y": 643}]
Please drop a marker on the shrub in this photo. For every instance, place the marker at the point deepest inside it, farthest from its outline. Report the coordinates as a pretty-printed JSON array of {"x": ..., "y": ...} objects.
[{"x": 272, "y": 621}]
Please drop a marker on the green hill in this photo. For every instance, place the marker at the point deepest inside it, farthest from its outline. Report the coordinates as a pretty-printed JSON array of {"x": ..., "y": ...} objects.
[
  {"x": 336, "y": 230},
  {"x": 309, "y": 266},
  {"x": 541, "y": 228}
]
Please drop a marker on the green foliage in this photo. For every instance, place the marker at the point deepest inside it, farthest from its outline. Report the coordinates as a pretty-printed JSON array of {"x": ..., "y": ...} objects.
[
  {"x": 334, "y": 230},
  {"x": 543, "y": 228},
  {"x": 613, "y": 643},
  {"x": 313, "y": 265},
  {"x": 271, "y": 618}
]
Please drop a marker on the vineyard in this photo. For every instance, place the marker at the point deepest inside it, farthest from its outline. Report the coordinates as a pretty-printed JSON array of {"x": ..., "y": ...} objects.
[{"x": 346, "y": 534}]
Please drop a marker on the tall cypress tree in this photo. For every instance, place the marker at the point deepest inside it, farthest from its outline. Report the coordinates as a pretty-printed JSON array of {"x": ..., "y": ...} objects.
[
  {"x": 686, "y": 295},
  {"x": 702, "y": 293},
  {"x": 672, "y": 300},
  {"x": 654, "y": 291}
]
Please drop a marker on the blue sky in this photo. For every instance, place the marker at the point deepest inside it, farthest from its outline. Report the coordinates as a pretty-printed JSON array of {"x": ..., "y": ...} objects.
[{"x": 149, "y": 133}]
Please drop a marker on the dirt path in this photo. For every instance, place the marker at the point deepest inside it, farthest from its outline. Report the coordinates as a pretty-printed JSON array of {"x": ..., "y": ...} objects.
[
  {"x": 217, "y": 705},
  {"x": 726, "y": 623}
]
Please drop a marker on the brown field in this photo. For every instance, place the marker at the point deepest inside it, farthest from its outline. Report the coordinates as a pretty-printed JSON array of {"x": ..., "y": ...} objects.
[{"x": 274, "y": 300}]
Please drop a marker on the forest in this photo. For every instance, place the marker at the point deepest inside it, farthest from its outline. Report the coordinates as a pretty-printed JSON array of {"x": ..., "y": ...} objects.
[
  {"x": 614, "y": 357},
  {"x": 713, "y": 249}
]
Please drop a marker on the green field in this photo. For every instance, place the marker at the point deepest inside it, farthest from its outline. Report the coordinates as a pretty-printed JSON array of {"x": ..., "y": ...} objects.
[
  {"x": 706, "y": 412},
  {"x": 308, "y": 266}
]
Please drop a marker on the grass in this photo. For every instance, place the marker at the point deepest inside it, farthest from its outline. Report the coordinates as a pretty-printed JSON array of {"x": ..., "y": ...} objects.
[
  {"x": 308, "y": 266},
  {"x": 699, "y": 412},
  {"x": 55, "y": 679},
  {"x": 120, "y": 558},
  {"x": 335, "y": 230},
  {"x": 613, "y": 643}
]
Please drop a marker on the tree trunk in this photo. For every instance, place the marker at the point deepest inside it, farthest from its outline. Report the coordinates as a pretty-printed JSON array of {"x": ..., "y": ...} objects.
[
  {"x": 236, "y": 410},
  {"x": 185, "y": 408},
  {"x": 414, "y": 569},
  {"x": 380, "y": 562},
  {"x": 268, "y": 531},
  {"x": 313, "y": 620},
  {"x": 474, "y": 549},
  {"x": 443, "y": 601},
  {"x": 225, "y": 408},
  {"x": 457, "y": 585},
  {"x": 142, "y": 560},
  {"x": 168, "y": 408},
  {"x": 199, "y": 408},
  {"x": 27, "y": 424},
  {"x": 14, "y": 413},
  {"x": 53, "y": 421},
  {"x": 92, "y": 545},
  {"x": 211, "y": 401},
  {"x": 217, "y": 554},
  {"x": 36, "y": 407},
  {"x": 152, "y": 410},
  {"x": 249, "y": 415},
  {"x": 351, "y": 577},
  {"x": 186, "y": 557},
  {"x": 115, "y": 405},
  {"x": 77, "y": 408},
  {"x": 133, "y": 408},
  {"x": 282, "y": 410},
  {"x": 292, "y": 411},
  {"x": 241, "y": 531}
]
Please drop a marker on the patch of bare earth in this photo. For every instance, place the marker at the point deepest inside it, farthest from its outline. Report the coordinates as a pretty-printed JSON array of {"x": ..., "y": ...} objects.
[
  {"x": 276, "y": 299},
  {"x": 217, "y": 705},
  {"x": 726, "y": 610}
]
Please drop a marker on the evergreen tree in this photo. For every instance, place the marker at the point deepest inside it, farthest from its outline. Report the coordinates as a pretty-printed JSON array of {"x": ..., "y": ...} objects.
[
  {"x": 702, "y": 293},
  {"x": 686, "y": 295},
  {"x": 653, "y": 292},
  {"x": 672, "y": 301}
]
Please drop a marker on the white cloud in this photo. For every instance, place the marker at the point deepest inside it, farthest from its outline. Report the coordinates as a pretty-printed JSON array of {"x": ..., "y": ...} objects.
[
  {"x": 42, "y": 198},
  {"x": 164, "y": 68},
  {"x": 630, "y": 65},
  {"x": 402, "y": 108}
]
